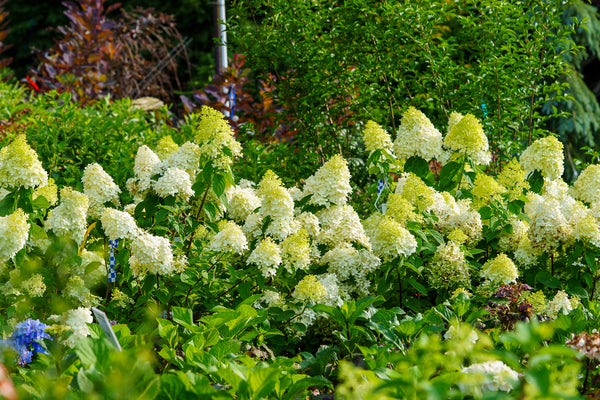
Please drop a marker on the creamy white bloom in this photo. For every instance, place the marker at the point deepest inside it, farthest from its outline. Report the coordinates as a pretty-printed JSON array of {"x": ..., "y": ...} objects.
[
  {"x": 14, "y": 231},
  {"x": 187, "y": 158},
  {"x": 267, "y": 256},
  {"x": 68, "y": 219},
  {"x": 151, "y": 254},
  {"x": 559, "y": 304},
  {"x": 174, "y": 182},
  {"x": 100, "y": 188},
  {"x": 330, "y": 184},
  {"x": 454, "y": 214},
  {"x": 490, "y": 376},
  {"x": 341, "y": 224},
  {"x": 587, "y": 185},
  {"x": 548, "y": 227},
  {"x": 417, "y": 136},
  {"x": 242, "y": 202},
  {"x": 346, "y": 262},
  {"x": 229, "y": 239},
  {"x": 118, "y": 224},
  {"x": 75, "y": 320},
  {"x": 20, "y": 166},
  {"x": 145, "y": 161},
  {"x": 309, "y": 222},
  {"x": 545, "y": 155},
  {"x": 276, "y": 203}
]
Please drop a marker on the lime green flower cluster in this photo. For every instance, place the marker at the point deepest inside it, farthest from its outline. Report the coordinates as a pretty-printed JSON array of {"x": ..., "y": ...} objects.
[
  {"x": 500, "y": 270},
  {"x": 465, "y": 135},
  {"x": 546, "y": 156},
  {"x": 214, "y": 135},
  {"x": 390, "y": 240},
  {"x": 485, "y": 189},
  {"x": 376, "y": 138},
  {"x": 20, "y": 166},
  {"x": 295, "y": 251},
  {"x": 448, "y": 268},
  {"x": 413, "y": 189},
  {"x": 165, "y": 147},
  {"x": 310, "y": 289},
  {"x": 514, "y": 179}
]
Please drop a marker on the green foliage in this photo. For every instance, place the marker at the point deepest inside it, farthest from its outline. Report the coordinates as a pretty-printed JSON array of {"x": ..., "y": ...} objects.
[
  {"x": 335, "y": 64},
  {"x": 68, "y": 137}
]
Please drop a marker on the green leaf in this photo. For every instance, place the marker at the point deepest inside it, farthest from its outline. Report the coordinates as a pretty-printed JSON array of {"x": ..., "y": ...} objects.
[
  {"x": 40, "y": 203},
  {"x": 485, "y": 212},
  {"x": 536, "y": 181},
  {"x": 548, "y": 280},
  {"x": 448, "y": 175},
  {"x": 183, "y": 316},
  {"x": 418, "y": 166},
  {"x": 84, "y": 383},
  {"x": 151, "y": 390},
  {"x": 418, "y": 286},
  {"x": 218, "y": 184}
]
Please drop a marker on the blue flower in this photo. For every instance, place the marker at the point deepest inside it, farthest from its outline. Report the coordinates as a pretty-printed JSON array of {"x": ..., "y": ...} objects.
[{"x": 25, "y": 339}]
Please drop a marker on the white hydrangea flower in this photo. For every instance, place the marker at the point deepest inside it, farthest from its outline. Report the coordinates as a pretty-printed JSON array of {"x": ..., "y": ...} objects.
[
  {"x": 490, "y": 376},
  {"x": 448, "y": 267},
  {"x": 75, "y": 320},
  {"x": 77, "y": 289},
  {"x": 548, "y": 227},
  {"x": 417, "y": 136},
  {"x": 174, "y": 182},
  {"x": 341, "y": 224},
  {"x": 332, "y": 290},
  {"x": 253, "y": 226},
  {"x": 14, "y": 231},
  {"x": 454, "y": 214},
  {"x": 118, "y": 224},
  {"x": 587, "y": 185},
  {"x": 34, "y": 286},
  {"x": 145, "y": 162},
  {"x": 453, "y": 333},
  {"x": 229, "y": 239},
  {"x": 242, "y": 202},
  {"x": 151, "y": 254},
  {"x": 559, "y": 304},
  {"x": 100, "y": 188},
  {"x": 187, "y": 158},
  {"x": 330, "y": 184},
  {"x": 20, "y": 166},
  {"x": 267, "y": 256},
  {"x": 346, "y": 262},
  {"x": 68, "y": 219},
  {"x": 309, "y": 222}
]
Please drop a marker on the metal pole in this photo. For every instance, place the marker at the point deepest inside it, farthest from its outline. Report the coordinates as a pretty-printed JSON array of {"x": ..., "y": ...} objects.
[{"x": 220, "y": 35}]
